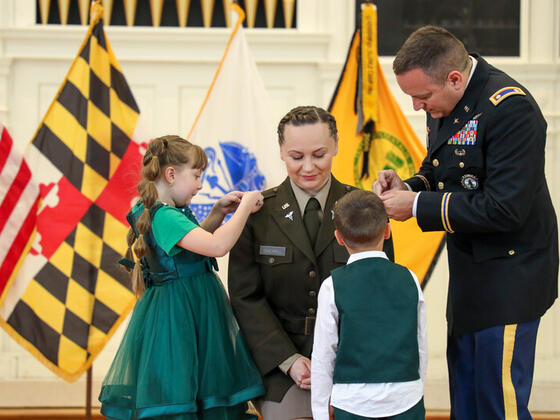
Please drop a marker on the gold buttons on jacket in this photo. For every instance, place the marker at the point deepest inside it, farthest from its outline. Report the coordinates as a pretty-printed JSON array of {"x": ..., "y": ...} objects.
[
  {"x": 435, "y": 162},
  {"x": 312, "y": 274},
  {"x": 440, "y": 185},
  {"x": 271, "y": 260},
  {"x": 511, "y": 252},
  {"x": 312, "y": 293},
  {"x": 461, "y": 164}
]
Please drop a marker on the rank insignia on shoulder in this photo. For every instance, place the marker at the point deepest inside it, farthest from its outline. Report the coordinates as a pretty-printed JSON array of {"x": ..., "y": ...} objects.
[
  {"x": 466, "y": 135},
  {"x": 504, "y": 93},
  {"x": 469, "y": 182}
]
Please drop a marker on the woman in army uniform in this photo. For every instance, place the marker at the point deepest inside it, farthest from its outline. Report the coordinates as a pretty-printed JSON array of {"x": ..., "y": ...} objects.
[{"x": 284, "y": 253}]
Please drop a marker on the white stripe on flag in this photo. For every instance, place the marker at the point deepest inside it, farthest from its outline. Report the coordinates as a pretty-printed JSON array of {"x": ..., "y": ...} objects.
[{"x": 17, "y": 218}]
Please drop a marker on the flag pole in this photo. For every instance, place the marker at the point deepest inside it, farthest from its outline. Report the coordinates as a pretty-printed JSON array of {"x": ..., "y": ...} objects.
[
  {"x": 90, "y": 370},
  {"x": 88, "y": 393}
]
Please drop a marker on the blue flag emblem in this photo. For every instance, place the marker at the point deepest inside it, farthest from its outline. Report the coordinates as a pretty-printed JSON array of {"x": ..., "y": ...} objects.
[{"x": 230, "y": 168}]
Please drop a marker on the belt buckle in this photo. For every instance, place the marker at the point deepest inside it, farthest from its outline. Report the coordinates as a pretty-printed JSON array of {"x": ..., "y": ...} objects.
[{"x": 309, "y": 325}]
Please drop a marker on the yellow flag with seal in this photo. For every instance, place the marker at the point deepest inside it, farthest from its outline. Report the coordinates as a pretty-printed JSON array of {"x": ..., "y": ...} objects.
[{"x": 374, "y": 135}]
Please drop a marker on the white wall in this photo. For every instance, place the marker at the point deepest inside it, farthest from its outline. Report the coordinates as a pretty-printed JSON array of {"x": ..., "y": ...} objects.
[{"x": 169, "y": 70}]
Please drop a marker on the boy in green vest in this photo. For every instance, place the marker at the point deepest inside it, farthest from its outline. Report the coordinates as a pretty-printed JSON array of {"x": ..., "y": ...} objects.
[{"x": 369, "y": 352}]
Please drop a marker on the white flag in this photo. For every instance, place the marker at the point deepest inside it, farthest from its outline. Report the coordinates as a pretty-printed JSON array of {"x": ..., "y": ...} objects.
[{"x": 235, "y": 127}]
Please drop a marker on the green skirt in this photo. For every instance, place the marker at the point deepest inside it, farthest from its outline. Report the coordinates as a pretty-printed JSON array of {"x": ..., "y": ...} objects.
[{"x": 181, "y": 357}]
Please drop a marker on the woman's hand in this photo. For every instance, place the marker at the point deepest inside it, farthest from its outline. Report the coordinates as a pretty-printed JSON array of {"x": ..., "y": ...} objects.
[{"x": 300, "y": 372}]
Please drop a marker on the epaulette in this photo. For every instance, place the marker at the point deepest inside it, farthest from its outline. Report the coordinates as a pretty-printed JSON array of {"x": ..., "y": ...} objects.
[
  {"x": 348, "y": 188},
  {"x": 270, "y": 192},
  {"x": 504, "y": 93}
]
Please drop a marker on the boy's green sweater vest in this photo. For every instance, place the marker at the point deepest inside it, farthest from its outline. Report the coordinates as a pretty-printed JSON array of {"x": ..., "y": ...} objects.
[{"x": 377, "y": 302}]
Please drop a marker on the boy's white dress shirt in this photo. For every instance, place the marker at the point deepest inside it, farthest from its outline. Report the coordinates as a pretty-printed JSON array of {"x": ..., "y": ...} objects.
[{"x": 367, "y": 400}]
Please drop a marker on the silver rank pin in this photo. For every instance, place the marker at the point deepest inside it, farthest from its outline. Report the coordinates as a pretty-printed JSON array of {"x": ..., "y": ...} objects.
[
  {"x": 290, "y": 216},
  {"x": 456, "y": 121},
  {"x": 285, "y": 206}
]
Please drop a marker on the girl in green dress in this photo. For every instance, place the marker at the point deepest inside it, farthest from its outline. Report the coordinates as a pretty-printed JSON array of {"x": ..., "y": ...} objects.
[{"x": 182, "y": 355}]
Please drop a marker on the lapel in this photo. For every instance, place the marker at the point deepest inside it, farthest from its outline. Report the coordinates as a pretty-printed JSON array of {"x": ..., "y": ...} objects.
[
  {"x": 463, "y": 111},
  {"x": 292, "y": 227},
  {"x": 326, "y": 231}
]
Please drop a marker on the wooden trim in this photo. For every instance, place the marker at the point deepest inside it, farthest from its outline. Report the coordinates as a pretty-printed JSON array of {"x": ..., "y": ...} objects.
[
  {"x": 48, "y": 414},
  {"x": 444, "y": 415},
  {"x": 78, "y": 414}
]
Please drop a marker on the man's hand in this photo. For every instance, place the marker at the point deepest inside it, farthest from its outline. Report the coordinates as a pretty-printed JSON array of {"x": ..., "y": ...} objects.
[
  {"x": 398, "y": 204},
  {"x": 300, "y": 372},
  {"x": 388, "y": 180}
]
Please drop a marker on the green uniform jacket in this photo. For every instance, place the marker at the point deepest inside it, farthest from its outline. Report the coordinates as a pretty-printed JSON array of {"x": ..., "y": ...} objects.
[{"x": 274, "y": 278}]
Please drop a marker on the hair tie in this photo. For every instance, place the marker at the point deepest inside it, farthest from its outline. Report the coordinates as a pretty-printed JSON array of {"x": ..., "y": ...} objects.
[{"x": 165, "y": 144}]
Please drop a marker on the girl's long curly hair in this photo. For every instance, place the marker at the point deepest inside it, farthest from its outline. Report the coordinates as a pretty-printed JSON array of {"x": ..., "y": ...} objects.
[{"x": 162, "y": 152}]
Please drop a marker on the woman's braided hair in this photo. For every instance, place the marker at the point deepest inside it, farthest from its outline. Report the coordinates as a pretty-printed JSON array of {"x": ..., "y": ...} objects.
[{"x": 162, "y": 152}]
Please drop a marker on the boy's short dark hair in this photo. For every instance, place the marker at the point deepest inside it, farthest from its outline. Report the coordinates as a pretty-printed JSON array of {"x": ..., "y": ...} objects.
[{"x": 360, "y": 218}]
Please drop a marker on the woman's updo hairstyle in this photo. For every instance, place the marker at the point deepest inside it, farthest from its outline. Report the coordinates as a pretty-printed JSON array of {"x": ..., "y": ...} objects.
[{"x": 162, "y": 152}]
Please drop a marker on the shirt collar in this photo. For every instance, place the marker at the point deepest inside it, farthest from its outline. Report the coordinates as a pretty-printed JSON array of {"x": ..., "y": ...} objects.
[
  {"x": 474, "y": 63},
  {"x": 303, "y": 196},
  {"x": 366, "y": 254}
]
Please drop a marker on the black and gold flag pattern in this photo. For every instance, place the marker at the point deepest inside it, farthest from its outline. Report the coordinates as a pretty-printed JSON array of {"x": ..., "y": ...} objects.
[{"x": 69, "y": 295}]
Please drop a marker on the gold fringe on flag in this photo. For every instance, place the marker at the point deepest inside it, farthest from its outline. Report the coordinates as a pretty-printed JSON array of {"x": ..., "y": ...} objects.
[
  {"x": 207, "y": 12},
  {"x": 107, "y": 11},
  {"x": 129, "y": 11},
  {"x": 227, "y": 11},
  {"x": 251, "y": 11},
  {"x": 63, "y": 7},
  {"x": 83, "y": 5},
  {"x": 44, "y": 6},
  {"x": 270, "y": 11},
  {"x": 288, "y": 6},
  {"x": 156, "y": 7},
  {"x": 183, "y": 7}
]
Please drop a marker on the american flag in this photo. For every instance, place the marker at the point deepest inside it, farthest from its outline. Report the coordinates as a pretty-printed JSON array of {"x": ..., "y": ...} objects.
[{"x": 19, "y": 199}]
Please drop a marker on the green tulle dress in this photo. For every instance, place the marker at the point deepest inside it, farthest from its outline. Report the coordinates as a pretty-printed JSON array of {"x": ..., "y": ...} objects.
[{"x": 182, "y": 355}]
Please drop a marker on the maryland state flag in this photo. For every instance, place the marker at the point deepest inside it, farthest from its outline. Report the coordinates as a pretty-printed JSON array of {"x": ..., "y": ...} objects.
[
  {"x": 374, "y": 134},
  {"x": 69, "y": 296}
]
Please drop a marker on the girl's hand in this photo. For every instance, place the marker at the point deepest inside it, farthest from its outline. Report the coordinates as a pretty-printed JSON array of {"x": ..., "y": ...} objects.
[
  {"x": 253, "y": 199},
  {"x": 300, "y": 372},
  {"x": 229, "y": 202}
]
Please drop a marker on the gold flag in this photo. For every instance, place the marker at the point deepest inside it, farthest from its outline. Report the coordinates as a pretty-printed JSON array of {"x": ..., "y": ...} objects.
[{"x": 383, "y": 132}]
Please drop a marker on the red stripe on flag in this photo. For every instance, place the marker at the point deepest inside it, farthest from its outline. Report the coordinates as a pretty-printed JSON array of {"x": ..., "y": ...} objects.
[
  {"x": 6, "y": 144},
  {"x": 14, "y": 193},
  {"x": 18, "y": 246}
]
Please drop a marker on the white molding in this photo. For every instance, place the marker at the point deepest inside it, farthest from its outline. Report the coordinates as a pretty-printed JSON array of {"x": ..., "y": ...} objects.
[{"x": 175, "y": 45}]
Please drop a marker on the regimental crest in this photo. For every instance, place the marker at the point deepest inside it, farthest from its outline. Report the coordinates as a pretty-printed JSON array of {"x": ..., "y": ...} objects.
[
  {"x": 466, "y": 136},
  {"x": 231, "y": 167}
]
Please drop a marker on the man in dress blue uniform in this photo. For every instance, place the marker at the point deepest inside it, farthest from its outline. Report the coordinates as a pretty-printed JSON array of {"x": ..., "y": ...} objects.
[{"x": 483, "y": 182}]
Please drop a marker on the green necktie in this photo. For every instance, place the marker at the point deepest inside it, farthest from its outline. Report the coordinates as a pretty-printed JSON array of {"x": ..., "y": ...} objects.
[{"x": 311, "y": 219}]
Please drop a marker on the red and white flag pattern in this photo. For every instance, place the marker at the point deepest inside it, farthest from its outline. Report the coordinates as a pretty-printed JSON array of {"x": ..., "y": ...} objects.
[{"x": 19, "y": 199}]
